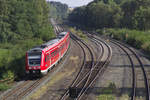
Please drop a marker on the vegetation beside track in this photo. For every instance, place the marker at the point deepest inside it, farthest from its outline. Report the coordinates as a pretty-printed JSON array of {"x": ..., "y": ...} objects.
[
  {"x": 135, "y": 38},
  {"x": 79, "y": 33},
  {"x": 4, "y": 86},
  {"x": 54, "y": 80},
  {"x": 106, "y": 97},
  {"x": 108, "y": 92}
]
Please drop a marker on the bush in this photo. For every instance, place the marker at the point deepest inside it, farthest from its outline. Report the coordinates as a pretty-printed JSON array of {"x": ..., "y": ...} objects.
[
  {"x": 106, "y": 97},
  {"x": 124, "y": 97},
  {"x": 138, "y": 39},
  {"x": 12, "y": 59},
  {"x": 79, "y": 33},
  {"x": 4, "y": 86},
  {"x": 9, "y": 75},
  {"x": 46, "y": 34}
]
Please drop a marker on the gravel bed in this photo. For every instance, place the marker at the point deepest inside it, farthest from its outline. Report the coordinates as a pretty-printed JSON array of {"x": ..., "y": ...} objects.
[
  {"x": 119, "y": 72},
  {"x": 70, "y": 69}
]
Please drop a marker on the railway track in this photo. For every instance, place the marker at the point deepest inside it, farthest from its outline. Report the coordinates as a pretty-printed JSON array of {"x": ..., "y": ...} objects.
[
  {"x": 25, "y": 88},
  {"x": 126, "y": 49},
  {"x": 57, "y": 27},
  {"x": 133, "y": 69},
  {"x": 22, "y": 90},
  {"x": 83, "y": 85},
  {"x": 132, "y": 55},
  {"x": 6, "y": 96},
  {"x": 99, "y": 67},
  {"x": 84, "y": 68}
]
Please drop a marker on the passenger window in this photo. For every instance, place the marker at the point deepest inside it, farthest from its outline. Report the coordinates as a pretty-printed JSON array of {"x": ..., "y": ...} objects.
[
  {"x": 47, "y": 58},
  {"x": 53, "y": 54}
]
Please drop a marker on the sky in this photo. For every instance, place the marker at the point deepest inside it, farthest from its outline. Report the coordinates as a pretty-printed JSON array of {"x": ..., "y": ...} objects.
[{"x": 73, "y": 3}]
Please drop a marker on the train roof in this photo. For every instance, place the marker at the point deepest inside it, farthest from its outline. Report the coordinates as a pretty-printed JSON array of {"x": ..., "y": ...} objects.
[
  {"x": 43, "y": 46},
  {"x": 47, "y": 44},
  {"x": 51, "y": 42}
]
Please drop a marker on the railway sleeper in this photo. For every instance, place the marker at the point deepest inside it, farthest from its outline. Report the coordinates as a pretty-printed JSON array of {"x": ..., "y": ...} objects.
[{"x": 74, "y": 92}]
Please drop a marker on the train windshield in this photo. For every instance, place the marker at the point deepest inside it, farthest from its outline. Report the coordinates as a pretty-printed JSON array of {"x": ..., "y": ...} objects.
[{"x": 34, "y": 59}]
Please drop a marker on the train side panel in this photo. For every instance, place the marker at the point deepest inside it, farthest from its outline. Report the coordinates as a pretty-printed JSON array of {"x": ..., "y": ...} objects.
[{"x": 50, "y": 55}]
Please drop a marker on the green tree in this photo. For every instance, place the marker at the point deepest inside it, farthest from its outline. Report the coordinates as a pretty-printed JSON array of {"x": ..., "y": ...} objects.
[
  {"x": 142, "y": 18},
  {"x": 132, "y": 14},
  {"x": 97, "y": 15},
  {"x": 129, "y": 8},
  {"x": 5, "y": 30},
  {"x": 58, "y": 10},
  {"x": 78, "y": 15}
]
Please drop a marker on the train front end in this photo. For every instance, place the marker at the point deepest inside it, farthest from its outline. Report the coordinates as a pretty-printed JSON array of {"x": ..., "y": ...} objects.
[{"x": 33, "y": 62}]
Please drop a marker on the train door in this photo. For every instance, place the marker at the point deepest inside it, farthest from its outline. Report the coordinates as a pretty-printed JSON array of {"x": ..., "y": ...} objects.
[
  {"x": 57, "y": 54},
  {"x": 63, "y": 47},
  {"x": 47, "y": 60},
  {"x": 52, "y": 57},
  {"x": 59, "y": 51}
]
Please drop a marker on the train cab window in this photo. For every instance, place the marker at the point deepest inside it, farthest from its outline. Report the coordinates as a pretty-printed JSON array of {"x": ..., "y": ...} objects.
[{"x": 34, "y": 59}]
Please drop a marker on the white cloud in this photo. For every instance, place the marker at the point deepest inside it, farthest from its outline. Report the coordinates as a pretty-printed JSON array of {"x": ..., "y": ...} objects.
[{"x": 74, "y": 3}]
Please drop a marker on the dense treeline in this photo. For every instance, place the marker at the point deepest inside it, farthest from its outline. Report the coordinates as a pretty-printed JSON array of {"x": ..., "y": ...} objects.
[
  {"x": 132, "y": 14},
  {"x": 58, "y": 10},
  {"x": 23, "y": 24},
  {"x": 20, "y": 19}
]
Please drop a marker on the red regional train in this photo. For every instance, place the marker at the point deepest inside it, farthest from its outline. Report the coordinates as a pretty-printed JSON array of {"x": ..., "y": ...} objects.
[{"x": 41, "y": 59}]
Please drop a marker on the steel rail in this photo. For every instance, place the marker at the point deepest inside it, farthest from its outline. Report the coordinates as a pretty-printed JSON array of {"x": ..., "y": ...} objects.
[
  {"x": 133, "y": 97},
  {"x": 133, "y": 70},
  {"x": 143, "y": 70},
  {"x": 100, "y": 70},
  {"x": 82, "y": 67},
  {"x": 75, "y": 82}
]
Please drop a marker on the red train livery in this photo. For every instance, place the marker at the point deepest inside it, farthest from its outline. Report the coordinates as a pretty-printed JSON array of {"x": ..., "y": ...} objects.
[{"x": 41, "y": 58}]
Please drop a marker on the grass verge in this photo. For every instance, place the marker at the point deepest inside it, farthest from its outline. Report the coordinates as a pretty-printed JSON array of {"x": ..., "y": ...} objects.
[
  {"x": 80, "y": 34},
  {"x": 106, "y": 97},
  {"x": 135, "y": 38},
  {"x": 4, "y": 86},
  {"x": 107, "y": 93},
  {"x": 52, "y": 82}
]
